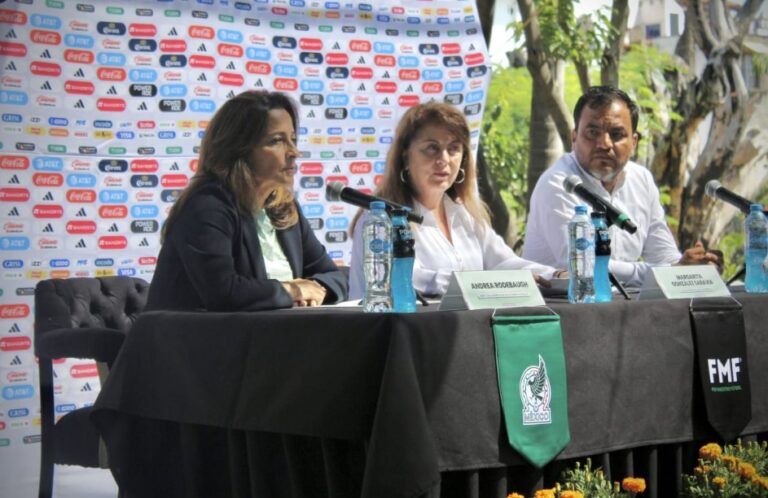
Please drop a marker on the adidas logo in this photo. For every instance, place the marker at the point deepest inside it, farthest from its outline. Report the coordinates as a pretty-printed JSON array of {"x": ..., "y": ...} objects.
[
  {"x": 231, "y": 65},
  {"x": 11, "y": 35},
  {"x": 144, "y": 242},
  {"x": 48, "y": 228},
  {"x": 113, "y": 228},
  {"x": 361, "y": 88},
  {"x": 81, "y": 213},
  {"x": 361, "y": 182},
  {"x": 174, "y": 166},
  {"x": 311, "y": 114},
  {"x": 112, "y": 91},
  {"x": 86, "y": 388},
  {"x": 173, "y": 32},
  {"x": 386, "y": 75},
  {"x": 471, "y": 47},
  {"x": 80, "y": 73},
  {"x": 48, "y": 196},
  {"x": 45, "y": 54},
  {"x": 81, "y": 244},
  {"x": 14, "y": 328},
  {"x": 202, "y": 48},
  {"x": 337, "y": 169},
  {"x": 14, "y": 180},
  {"x": 11, "y": 67},
  {"x": 230, "y": 94},
  {"x": 258, "y": 84},
  {"x": 385, "y": 101},
  {"x": 336, "y": 46},
  {"x": 13, "y": 212},
  {"x": 202, "y": 77},
  {"x": 409, "y": 89},
  {"x": 361, "y": 60},
  {"x": 16, "y": 361},
  {"x": 142, "y": 107},
  {"x": 79, "y": 104},
  {"x": 46, "y": 86}
]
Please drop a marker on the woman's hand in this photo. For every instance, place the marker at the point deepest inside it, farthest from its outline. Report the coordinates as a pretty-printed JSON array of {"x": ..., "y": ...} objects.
[{"x": 305, "y": 292}]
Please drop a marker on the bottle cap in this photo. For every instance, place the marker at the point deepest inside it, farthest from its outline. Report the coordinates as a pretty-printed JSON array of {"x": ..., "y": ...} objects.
[
  {"x": 598, "y": 214},
  {"x": 581, "y": 209},
  {"x": 755, "y": 207},
  {"x": 377, "y": 205}
]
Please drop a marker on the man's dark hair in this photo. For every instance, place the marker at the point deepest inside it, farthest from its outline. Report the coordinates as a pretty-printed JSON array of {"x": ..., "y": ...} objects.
[{"x": 598, "y": 97}]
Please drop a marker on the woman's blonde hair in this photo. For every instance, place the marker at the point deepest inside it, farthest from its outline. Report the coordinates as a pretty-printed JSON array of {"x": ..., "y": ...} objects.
[
  {"x": 393, "y": 188},
  {"x": 225, "y": 155}
]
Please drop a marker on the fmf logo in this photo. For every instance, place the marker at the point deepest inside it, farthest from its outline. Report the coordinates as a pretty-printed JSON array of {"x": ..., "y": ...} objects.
[{"x": 726, "y": 372}]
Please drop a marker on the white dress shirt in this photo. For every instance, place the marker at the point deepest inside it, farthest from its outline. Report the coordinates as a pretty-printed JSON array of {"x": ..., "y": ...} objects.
[
  {"x": 635, "y": 193},
  {"x": 275, "y": 262},
  {"x": 474, "y": 246}
]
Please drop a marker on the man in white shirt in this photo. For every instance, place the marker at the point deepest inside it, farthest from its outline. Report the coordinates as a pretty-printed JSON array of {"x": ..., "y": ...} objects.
[{"x": 603, "y": 141}]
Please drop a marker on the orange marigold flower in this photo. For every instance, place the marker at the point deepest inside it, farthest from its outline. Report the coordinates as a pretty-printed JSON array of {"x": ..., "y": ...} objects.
[
  {"x": 698, "y": 470},
  {"x": 544, "y": 493},
  {"x": 719, "y": 482},
  {"x": 710, "y": 451},
  {"x": 515, "y": 495},
  {"x": 747, "y": 470},
  {"x": 571, "y": 494},
  {"x": 633, "y": 484}
]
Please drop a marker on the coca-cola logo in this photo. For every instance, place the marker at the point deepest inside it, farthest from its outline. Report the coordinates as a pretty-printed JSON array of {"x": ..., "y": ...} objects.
[
  {"x": 79, "y": 56},
  {"x": 110, "y": 212},
  {"x": 14, "y": 310},
  {"x": 286, "y": 84},
  {"x": 47, "y": 211},
  {"x": 360, "y": 46},
  {"x": 258, "y": 68},
  {"x": 111, "y": 74},
  {"x": 229, "y": 50},
  {"x": 81, "y": 195},
  {"x": 45, "y": 37},
  {"x": 12, "y": 17},
  {"x": 384, "y": 61},
  {"x": 47, "y": 179},
  {"x": 14, "y": 162},
  {"x": 360, "y": 167},
  {"x": 201, "y": 32},
  {"x": 432, "y": 87},
  {"x": 408, "y": 74}
]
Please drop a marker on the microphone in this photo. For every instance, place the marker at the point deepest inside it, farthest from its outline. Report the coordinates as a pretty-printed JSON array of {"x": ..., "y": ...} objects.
[
  {"x": 337, "y": 191},
  {"x": 715, "y": 190},
  {"x": 574, "y": 185}
]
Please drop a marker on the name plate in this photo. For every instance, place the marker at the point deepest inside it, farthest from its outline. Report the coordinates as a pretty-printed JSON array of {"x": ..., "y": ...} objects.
[
  {"x": 683, "y": 282},
  {"x": 476, "y": 290}
]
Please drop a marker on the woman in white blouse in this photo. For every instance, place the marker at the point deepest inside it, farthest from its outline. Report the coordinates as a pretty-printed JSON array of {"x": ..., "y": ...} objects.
[{"x": 430, "y": 168}]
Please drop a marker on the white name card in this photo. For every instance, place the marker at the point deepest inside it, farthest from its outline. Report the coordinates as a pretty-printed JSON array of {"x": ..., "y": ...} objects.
[
  {"x": 476, "y": 290},
  {"x": 683, "y": 282}
]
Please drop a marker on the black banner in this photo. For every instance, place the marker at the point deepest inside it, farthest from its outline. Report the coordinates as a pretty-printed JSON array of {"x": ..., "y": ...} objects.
[{"x": 721, "y": 347}]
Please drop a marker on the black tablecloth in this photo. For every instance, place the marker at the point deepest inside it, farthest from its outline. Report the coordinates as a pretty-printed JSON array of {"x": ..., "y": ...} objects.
[{"x": 397, "y": 398}]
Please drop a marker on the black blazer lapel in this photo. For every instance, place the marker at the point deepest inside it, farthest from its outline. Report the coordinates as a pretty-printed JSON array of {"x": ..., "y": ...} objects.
[{"x": 290, "y": 241}]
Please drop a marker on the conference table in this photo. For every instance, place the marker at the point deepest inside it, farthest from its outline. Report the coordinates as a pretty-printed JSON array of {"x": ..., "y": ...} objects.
[{"x": 335, "y": 402}]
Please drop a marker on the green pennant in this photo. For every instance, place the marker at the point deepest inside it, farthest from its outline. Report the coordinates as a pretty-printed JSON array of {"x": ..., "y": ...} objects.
[{"x": 532, "y": 385}]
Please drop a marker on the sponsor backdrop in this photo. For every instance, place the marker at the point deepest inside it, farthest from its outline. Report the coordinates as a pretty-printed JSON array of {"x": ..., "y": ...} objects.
[{"x": 103, "y": 104}]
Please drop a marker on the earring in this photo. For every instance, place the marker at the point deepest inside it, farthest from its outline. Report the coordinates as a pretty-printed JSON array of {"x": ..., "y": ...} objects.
[
  {"x": 403, "y": 173},
  {"x": 463, "y": 176}
]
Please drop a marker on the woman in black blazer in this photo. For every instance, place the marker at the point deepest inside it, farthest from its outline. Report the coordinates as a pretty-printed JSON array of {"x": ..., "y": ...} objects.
[{"x": 212, "y": 256}]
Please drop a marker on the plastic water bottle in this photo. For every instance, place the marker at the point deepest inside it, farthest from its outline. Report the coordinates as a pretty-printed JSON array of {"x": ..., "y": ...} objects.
[
  {"x": 581, "y": 257},
  {"x": 756, "y": 249},
  {"x": 403, "y": 295},
  {"x": 602, "y": 256},
  {"x": 377, "y": 259}
]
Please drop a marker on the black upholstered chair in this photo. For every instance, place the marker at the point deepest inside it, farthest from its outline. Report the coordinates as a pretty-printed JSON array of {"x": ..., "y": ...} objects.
[{"x": 79, "y": 318}]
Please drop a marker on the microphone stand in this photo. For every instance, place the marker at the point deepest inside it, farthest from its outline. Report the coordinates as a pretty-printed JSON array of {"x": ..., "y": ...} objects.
[{"x": 617, "y": 284}]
